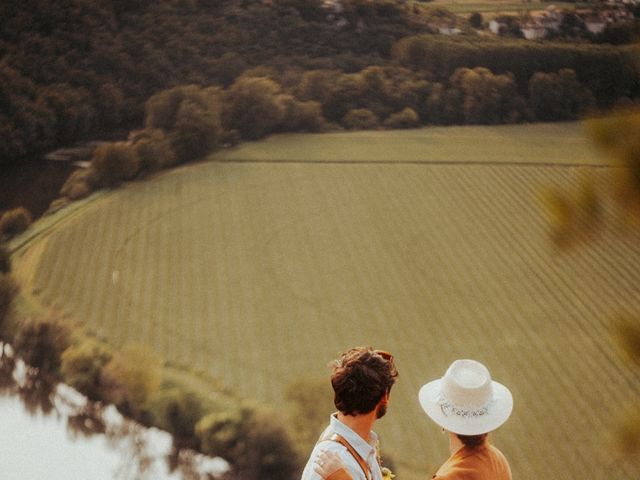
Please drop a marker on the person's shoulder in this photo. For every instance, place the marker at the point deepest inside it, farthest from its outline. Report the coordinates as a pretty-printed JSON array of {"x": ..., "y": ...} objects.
[
  {"x": 456, "y": 474},
  {"x": 457, "y": 469},
  {"x": 495, "y": 451}
]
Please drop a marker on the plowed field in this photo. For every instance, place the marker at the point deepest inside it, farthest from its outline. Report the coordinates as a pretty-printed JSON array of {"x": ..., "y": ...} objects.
[{"x": 261, "y": 264}]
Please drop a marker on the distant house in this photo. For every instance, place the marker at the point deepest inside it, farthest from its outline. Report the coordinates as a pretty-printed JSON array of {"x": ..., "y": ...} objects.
[
  {"x": 533, "y": 31},
  {"x": 550, "y": 19},
  {"x": 539, "y": 25},
  {"x": 447, "y": 28},
  {"x": 334, "y": 5},
  {"x": 497, "y": 26},
  {"x": 595, "y": 25}
]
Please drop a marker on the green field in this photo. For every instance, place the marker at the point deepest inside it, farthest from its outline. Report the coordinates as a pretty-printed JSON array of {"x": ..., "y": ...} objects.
[
  {"x": 261, "y": 264},
  {"x": 501, "y": 6}
]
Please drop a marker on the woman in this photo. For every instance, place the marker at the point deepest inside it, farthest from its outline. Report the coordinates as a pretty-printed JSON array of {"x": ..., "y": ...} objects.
[{"x": 468, "y": 405}]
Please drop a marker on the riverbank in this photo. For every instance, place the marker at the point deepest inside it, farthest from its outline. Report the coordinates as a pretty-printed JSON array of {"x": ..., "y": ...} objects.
[
  {"x": 35, "y": 182},
  {"x": 58, "y": 434}
]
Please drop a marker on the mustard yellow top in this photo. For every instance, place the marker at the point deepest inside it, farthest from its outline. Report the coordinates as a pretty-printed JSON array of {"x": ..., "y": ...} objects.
[{"x": 484, "y": 462}]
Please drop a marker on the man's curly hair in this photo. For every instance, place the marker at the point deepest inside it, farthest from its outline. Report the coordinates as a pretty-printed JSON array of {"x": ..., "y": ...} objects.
[{"x": 360, "y": 378}]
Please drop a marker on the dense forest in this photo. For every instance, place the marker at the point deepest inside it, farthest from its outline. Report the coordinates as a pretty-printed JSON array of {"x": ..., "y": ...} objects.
[{"x": 74, "y": 69}]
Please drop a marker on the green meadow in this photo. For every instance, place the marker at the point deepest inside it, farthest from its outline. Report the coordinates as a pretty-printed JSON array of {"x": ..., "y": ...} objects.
[
  {"x": 260, "y": 264},
  {"x": 501, "y": 6}
]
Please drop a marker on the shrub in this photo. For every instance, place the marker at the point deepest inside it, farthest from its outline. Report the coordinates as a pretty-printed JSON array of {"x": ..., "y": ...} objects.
[
  {"x": 112, "y": 163},
  {"x": 475, "y": 20},
  {"x": 254, "y": 442},
  {"x": 8, "y": 291},
  {"x": 407, "y": 118},
  {"x": 270, "y": 452},
  {"x": 5, "y": 259},
  {"x": 154, "y": 150},
  {"x": 221, "y": 433},
  {"x": 253, "y": 107},
  {"x": 13, "y": 222},
  {"x": 82, "y": 366},
  {"x": 360, "y": 119},
  {"x": 130, "y": 378},
  {"x": 177, "y": 411},
  {"x": 487, "y": 98},
  {"x": 197, "y": 131},
  {"x": 309, "y": 404},
  {"x": 57, "y": 204},
  {"x": 558, "y": 96},
  {"x": 77, "y": 185},
  {"x": 161, "y": 110},
  {"x": 40, "y": 343},
  {"x": 302, "y": 116}
]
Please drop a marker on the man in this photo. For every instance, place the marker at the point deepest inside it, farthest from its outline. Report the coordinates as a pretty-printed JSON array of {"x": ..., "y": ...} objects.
[{"x": 361, "y": 379}]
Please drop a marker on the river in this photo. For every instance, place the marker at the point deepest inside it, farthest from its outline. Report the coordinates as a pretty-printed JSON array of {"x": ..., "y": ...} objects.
[
  {"x": 33, "y": 184},
  {"x": 36, "y": 181},
  {"x": 59, "y": 435}
]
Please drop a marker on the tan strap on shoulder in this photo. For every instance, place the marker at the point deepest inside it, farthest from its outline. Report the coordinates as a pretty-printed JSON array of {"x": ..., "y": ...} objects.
[{"x": 363, "y": 465}]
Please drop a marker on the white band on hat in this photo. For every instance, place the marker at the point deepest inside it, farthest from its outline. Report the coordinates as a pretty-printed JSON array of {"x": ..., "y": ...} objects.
[{"x": 449, "y": 409}]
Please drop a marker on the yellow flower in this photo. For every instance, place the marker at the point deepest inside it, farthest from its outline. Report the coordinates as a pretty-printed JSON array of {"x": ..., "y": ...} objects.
[{"x": 387, "y": 474}]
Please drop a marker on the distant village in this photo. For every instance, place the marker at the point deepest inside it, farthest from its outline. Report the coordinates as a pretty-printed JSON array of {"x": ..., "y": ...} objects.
[{"x": 532, "y": 24}]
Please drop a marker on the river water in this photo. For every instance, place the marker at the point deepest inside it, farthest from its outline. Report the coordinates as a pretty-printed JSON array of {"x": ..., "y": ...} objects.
[
  {"x": 58, "y": 435},
  {"x": 32, "y": 184}
]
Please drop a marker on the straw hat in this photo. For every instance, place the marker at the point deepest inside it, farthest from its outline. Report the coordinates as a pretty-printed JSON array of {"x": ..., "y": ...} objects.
[{"x": 466, "y": 401}]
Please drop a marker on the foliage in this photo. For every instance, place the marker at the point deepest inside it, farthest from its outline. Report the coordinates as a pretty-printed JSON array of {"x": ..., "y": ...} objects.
[
  {"x": 8, "y": 291},
  {"x": 79, "y": 68},
  {"x": 253, "y": 107},
  {"x": 177, "y": 411},
  {"x": 254, "y": 441},
  {"x": 40, "y": 343},
  {"x": 197, "y": 131},
  {"x": 131, "y": 377},
  {"x": 5, "y": 259},
  {"x": 189, "y": 117},
  {"x": 310, "y": 402},
  {"x": 475, "y": 20},
  {"x": 618, "y": 138},
  {"x": 270, "y": 452},
  {"x": 607, "y": 72},
  {"x": 558, "y": 96},
  {"x": 302, "y": 116},
  {"x": 487, "y": 98},
  {"x": 221, "y": 433},
  {"x": 113, "y": 163},
  {"x": 78, "y": 185},
  {"x": 360, "y": 119},
  {"x": 82, "y": 366},
  {"x": 407, "y": 118},
  {"x": 154, "y": 150},
  {"x": 573, "y": 216},
  {"x": 14, "y": 222},
  {"x": 617, "y": 134}
]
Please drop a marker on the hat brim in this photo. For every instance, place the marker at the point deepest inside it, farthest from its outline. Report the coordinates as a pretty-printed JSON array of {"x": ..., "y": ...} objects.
[{"x": 498, "y": 410}]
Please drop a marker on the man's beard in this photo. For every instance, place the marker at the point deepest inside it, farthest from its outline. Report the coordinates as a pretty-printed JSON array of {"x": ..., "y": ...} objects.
[{"x": 381, "y": 411}]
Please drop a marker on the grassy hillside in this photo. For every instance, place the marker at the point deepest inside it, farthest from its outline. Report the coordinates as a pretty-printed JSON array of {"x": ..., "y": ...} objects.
[
  {"x": 263, "y": 263},
  {"x": 502, "y": 6}
]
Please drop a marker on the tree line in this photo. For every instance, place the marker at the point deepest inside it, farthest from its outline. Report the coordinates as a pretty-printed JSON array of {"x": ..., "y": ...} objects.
[{"x": 74, "y": 69}]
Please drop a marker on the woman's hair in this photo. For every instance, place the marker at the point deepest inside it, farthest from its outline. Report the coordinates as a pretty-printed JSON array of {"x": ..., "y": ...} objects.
[
  {"x": 360, "y": 378},
  {"x": 472, "y": 441}
]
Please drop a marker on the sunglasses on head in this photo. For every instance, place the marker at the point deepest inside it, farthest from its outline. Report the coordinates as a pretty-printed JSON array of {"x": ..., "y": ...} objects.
[{"x": 384, "y": 354}]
